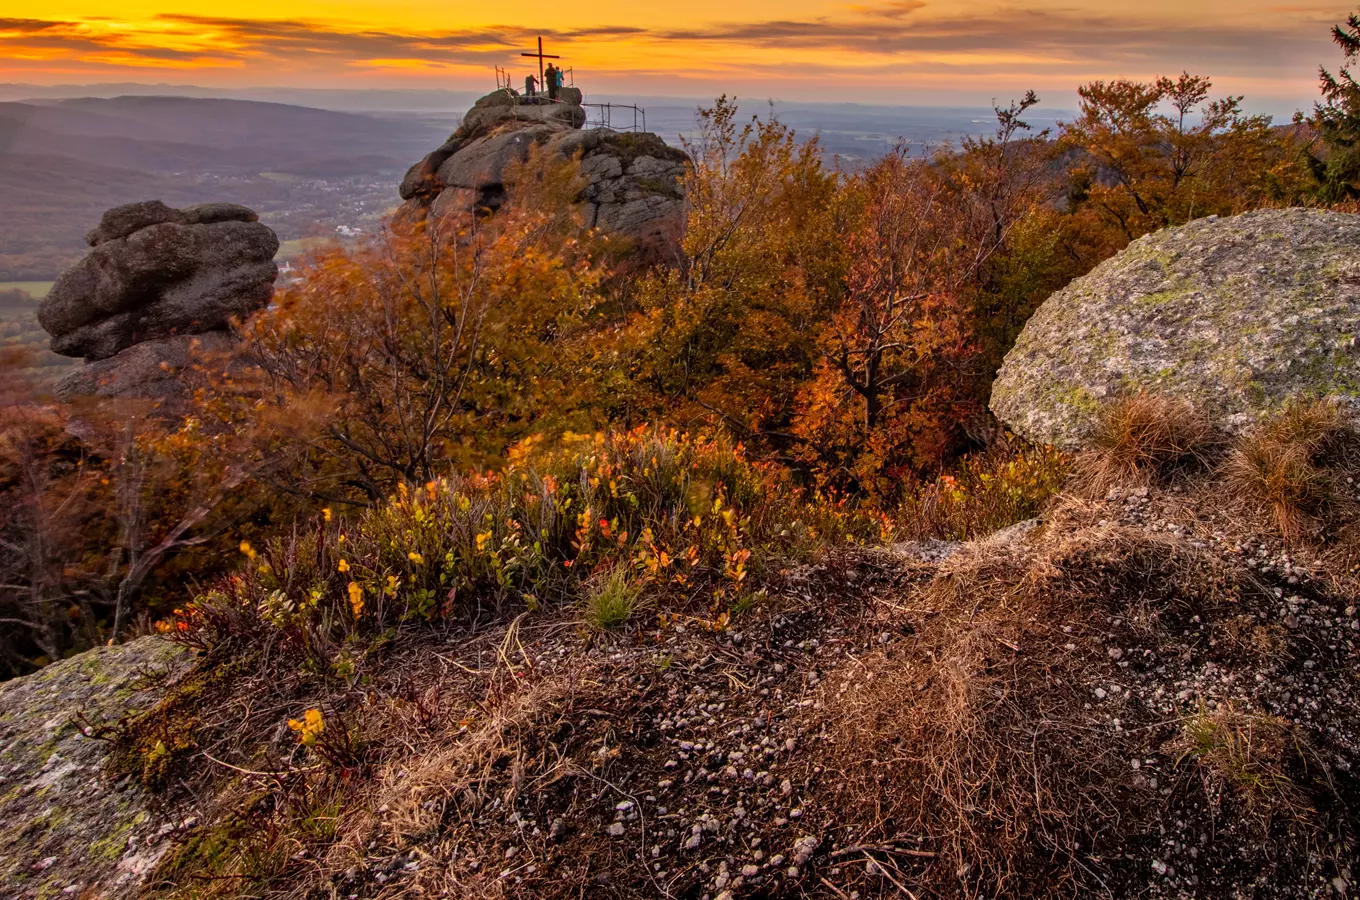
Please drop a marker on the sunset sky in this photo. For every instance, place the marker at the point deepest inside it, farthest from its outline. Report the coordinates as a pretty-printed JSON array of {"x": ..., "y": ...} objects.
[{"x": 903, "y": 51}]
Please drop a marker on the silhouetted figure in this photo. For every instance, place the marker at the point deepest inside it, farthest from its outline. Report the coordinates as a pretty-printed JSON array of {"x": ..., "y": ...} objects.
[
  {"x": 554, "y": 79},
  {"x": 530, "y": 82}
]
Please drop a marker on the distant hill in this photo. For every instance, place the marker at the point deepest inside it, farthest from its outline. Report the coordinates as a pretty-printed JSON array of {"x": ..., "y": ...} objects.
[
  {"x": 62, "y": 162},
  {"x": 172, "y": 134},
  {"x": 375, "y": 100}
]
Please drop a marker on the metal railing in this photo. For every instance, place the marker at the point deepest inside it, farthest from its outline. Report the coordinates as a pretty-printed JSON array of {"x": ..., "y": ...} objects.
[
  {"x": 503, "y": 81},
  {"x": 602, "y": 115}
]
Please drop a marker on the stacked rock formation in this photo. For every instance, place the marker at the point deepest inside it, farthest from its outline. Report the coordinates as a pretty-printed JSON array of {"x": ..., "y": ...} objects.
[
  {"x": 158, "y": 283},
  {"x": 1235, "y": 316},
  {"x": 635, "y": 185}
]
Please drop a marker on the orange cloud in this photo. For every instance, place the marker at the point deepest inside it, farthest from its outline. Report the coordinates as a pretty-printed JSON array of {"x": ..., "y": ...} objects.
[{"x": 863, "y": 51}]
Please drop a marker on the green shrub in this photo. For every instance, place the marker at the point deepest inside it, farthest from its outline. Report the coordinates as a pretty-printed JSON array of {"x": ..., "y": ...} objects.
[
  {"x": 612, "y": 602},
  {"x": 1008, "y": 483}
]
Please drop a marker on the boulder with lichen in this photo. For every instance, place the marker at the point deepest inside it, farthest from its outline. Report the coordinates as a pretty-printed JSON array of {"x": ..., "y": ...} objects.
[
  {"x": 68, "y": 825},
  {"x": 1235, "y": 316}
]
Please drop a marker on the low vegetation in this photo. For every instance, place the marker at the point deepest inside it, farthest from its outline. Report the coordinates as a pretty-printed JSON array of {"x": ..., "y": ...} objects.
[
  {"x": 1290, "y": 466},
  {"x": 593, "y": 519},
  {"x": 1144, "y": 438},
  {"x": 516, "y": 573}
]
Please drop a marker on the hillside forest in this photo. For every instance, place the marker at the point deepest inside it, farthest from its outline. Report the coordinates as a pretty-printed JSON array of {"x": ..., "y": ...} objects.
[{"x": 814, "y": 369}]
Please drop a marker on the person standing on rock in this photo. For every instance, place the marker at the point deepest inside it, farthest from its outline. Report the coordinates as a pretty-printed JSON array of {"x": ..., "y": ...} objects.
[
  {"x": 552, "y": 78},
  {"x": 530, "y": 82}
]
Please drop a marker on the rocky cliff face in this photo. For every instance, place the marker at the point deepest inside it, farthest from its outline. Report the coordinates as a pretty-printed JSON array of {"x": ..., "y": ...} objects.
[
  {"x": 635, "y": 185},
  {"x": 158, "y": 283},
  {"x": 1236, "y": 316}
]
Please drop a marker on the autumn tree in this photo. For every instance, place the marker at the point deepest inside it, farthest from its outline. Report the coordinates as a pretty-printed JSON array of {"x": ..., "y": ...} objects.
[
  {"x": 729, "y": 337},
  {"x": 1147, "y": 155},
  {"x": 887, "y": 389},
  {"x": 430, "y": 349},
  {"x": 101, "y": 529},
  {"x": 1002, "y": 190}
]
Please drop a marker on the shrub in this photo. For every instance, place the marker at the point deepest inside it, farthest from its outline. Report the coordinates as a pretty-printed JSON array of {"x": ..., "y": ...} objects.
[
  {"x": 1143, "y": 437},
  {"x": 612, "y": 601},
  {"x": 657, "y": 509},
  {"x": 1008, "y": 483}
]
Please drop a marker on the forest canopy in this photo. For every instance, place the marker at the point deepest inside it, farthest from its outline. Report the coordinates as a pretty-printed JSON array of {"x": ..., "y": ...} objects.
[{"x": 835, "y": 333}]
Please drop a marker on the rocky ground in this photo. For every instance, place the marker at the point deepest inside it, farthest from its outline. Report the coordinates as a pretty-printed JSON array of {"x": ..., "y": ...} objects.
[{"x": 1141, "y": 695}]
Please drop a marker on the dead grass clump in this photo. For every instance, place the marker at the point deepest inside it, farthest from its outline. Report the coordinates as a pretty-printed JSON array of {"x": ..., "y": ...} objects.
[
  {"x": 998, "y": 760},
  {"x": 437, "y": 800},
  {"x": 1151, "y": 581},
  {"x": 1262, "y": 642},
  {"x": 1288, "y": 466},
  {"x": 1143, "y": 438}
]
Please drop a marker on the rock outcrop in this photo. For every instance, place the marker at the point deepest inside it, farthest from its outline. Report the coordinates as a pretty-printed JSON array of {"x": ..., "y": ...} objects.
[
  {"x": 158, "y": 282},
  {"x": 635, "y": 185},
  {"x": 1236, "y": 316},
  {"x": 66, "y": 828}
]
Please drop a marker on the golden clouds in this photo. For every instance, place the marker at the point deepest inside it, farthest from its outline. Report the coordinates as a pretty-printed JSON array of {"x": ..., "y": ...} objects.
[{"x": 820, "y": 48}]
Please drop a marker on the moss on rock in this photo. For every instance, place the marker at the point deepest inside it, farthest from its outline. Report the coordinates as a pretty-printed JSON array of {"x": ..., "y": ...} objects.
[
  {"x": 63, "y": 822},
  {"x": 1235, "y": 316}
]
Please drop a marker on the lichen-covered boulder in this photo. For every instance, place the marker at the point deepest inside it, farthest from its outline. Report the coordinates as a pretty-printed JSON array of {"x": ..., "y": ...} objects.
[
  {"x": 67, "y": 829},
  {"x": 1236, "y": 316}
]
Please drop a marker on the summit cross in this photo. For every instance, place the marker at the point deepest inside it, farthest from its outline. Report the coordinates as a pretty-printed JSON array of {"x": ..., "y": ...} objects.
[{"x": 541, "y": 56}]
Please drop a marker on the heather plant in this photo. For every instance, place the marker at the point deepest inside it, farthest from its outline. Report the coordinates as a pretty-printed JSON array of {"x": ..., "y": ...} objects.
[
  {"x": 1008, "y": 483},
  {"x": 671, "y": 513}
]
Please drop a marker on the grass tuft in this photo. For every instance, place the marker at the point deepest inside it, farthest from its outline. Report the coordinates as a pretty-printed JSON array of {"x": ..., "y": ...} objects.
[
  {"x": 1143, "y": 438},
  {"x": 612, "y": 601},
  {"x": 1283, "y": 466},
  {"x": 1249, "y": 753}
]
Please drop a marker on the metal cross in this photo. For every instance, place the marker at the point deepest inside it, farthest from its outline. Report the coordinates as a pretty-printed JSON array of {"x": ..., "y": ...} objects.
[{"x": 541, "y": 56}]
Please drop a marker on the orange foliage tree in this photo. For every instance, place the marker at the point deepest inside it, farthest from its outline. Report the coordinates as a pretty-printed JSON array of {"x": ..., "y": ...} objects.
[
  {"x": 100, "y": 529},
  {"x": 728, "y": 338},
  {"x": 888, "y": 386},
  {"x": 1151, "y": 154},
  {"x": 430, "y": 350}
]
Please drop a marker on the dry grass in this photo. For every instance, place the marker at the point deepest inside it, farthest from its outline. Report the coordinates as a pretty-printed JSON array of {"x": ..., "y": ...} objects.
[
  {"x": 434, "y": 801},
  {"x": 1143, "y": 438},
  {"x": 998, "y": 762},
  {"x": 1263, "y": 642},
  {"x": 972, "y": 759},
  {"x": 1288, "y": 467}
]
